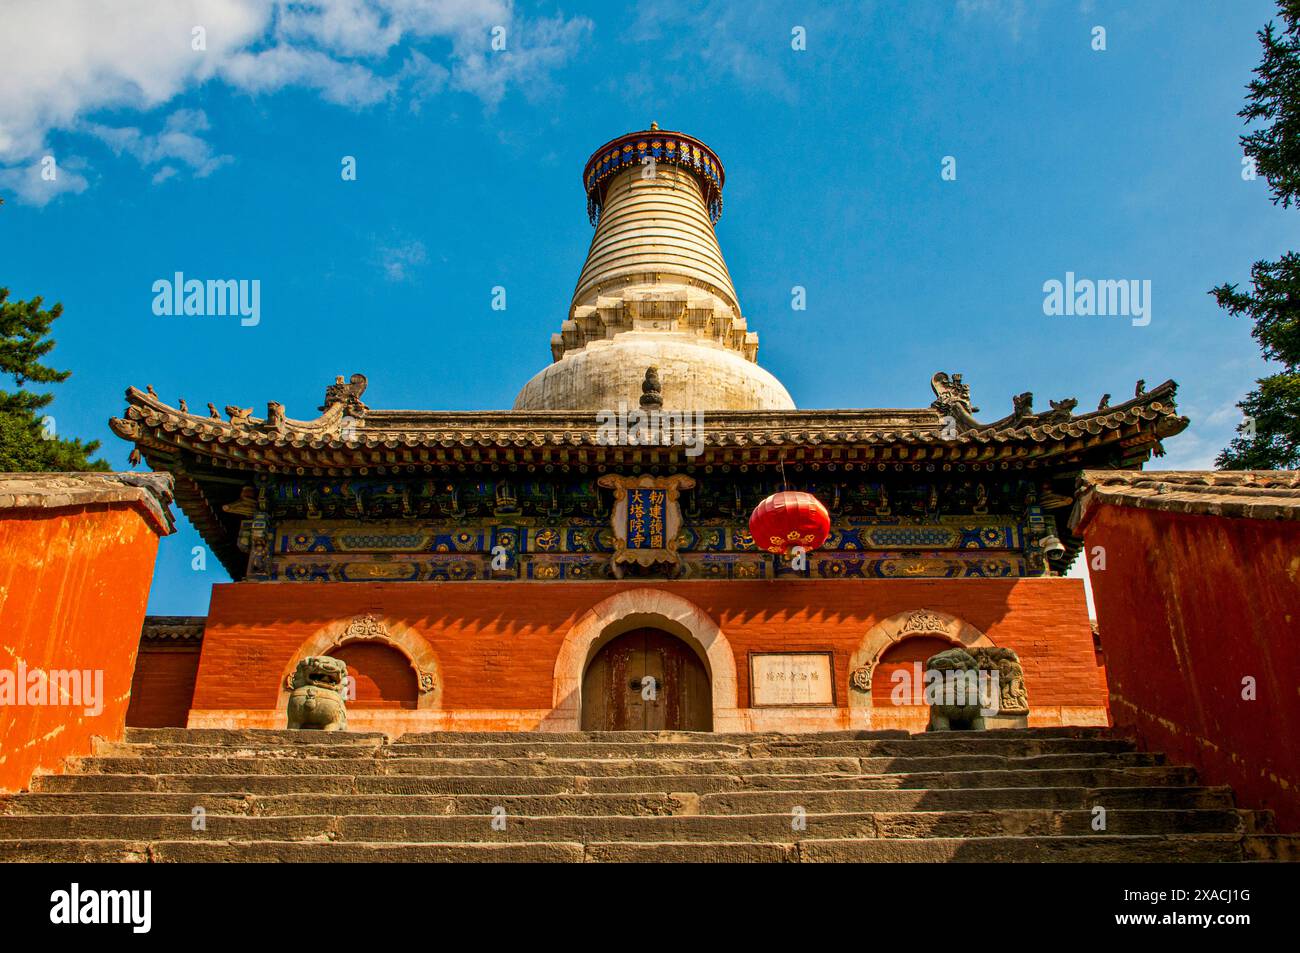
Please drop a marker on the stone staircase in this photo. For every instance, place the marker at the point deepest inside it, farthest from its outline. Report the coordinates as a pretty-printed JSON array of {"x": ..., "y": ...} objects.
[{"x": 1013, "y": 795}]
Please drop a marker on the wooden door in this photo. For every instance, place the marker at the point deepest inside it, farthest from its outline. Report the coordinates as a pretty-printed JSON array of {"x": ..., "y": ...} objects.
[{"x": 646, "y": 680}]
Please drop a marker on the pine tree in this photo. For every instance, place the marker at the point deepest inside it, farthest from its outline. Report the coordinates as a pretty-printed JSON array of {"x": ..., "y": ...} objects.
[
  {"x": 26, "y": 444},
  {"x": 1270, "y": 437}
]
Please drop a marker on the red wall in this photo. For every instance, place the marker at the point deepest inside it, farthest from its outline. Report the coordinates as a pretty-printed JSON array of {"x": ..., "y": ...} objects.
[
  {"x": 162, "y": 689},
  {"x": 1189, "y": 606},
  {"x": 902, "y": 656},
  {"x": 73, "y": 588},
  {"x": 497, "y": 642},
  {"x": 381, "y": 676}
]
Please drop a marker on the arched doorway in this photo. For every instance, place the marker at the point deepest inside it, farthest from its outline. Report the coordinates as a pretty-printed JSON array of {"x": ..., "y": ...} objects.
[
  {"x": 382, "y": 675},
  {"x": 939, "y": 630},
  {"x": 904, "y": 656},
  {"x": 646, "y": 680},
  {"x": 632, "y": 609}
]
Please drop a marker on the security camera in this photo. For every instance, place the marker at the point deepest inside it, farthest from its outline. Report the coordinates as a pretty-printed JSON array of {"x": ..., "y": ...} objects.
[{"x": 1053, "y": 548}]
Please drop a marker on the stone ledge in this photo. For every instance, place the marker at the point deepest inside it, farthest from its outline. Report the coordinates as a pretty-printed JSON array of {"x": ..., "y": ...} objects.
[
  {"x": 166, "y": 629},
  {"x": 1248, "y": 494},
  {"x": 150, "y": 492}
]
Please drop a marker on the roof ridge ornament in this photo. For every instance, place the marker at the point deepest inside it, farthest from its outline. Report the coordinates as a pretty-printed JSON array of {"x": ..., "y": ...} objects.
[
  {"x": 952, "y": 398},
  {"x": 348, "y": 394},
  {"x": 339, "y": 414},
  {"x": 1061, "y": 410}
]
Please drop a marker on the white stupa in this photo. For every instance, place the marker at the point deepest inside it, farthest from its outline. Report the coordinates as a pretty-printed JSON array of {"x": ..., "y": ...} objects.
[{"x": 654, "y": 291}]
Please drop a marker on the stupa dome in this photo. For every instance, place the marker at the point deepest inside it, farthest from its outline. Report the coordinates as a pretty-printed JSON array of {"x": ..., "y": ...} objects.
[{"x": 654, "y": 290}]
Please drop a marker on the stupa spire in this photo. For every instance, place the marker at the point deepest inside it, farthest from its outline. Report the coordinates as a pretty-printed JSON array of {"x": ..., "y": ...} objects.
[
  {"x": 654, "y": 198},
  {"x": 654, "y": 289}
]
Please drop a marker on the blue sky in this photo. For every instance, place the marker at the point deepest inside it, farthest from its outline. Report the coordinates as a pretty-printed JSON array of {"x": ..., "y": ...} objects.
[{"x": 225, "y": 163}]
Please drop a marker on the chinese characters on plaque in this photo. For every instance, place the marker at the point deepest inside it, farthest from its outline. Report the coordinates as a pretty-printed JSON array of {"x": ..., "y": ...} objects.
[
  {"x": 646, "y": 520},
  {"x": 795, "y": 679}
]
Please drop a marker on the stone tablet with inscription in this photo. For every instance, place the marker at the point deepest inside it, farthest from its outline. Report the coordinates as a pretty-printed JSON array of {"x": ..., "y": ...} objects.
[{"x": 797, "y": 679}]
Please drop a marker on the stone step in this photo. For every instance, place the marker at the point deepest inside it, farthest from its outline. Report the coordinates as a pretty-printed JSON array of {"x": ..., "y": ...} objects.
[
  {"x": 960, "y": 799},
  {"x": 605, "y": 767},
  {"x": 1272, "y": 847},
  {"x": 1113, "y": 848},
  {"x": 919, "y": 746},
  {"x": 736, "y": 766},
  {"x": 1172, "y": 848},
  {"x": 458, "y": 784},
  {"x": 734, "y": 828},
  {"x": 942, "y": 744},
  {"x": 573, "y": 750},
  {"x": 224, "y": 736},
  {"x": 1004, "y": 795},
  {"x": 702, "y": 779},
  {"x": 642, "y": 804},
  {"x": 431, "y": 737},
  {"x": 144, "y": 851}
]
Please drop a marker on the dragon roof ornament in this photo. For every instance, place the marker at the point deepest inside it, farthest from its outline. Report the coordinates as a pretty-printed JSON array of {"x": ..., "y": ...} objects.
[
  {"x": 953, "y": 400},
  {"x": 341, "y": 411}
]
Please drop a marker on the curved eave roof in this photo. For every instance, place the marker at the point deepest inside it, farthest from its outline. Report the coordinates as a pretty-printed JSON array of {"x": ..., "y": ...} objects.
[
  {"x": 440, "y": 437},
  {"x": 1233, "y": 494},
  {"x": 211, "y": 458}
]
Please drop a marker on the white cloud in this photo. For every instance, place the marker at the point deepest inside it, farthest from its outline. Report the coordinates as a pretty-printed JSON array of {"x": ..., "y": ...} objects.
[
  {"x": 31, "y": 187},
  {"x": 179, "y": 140},
  {"x": 1228, "y": 414},
  {"x": 341, "y": 82},
  {"x": 346, "y": 27},
  {"x": 1190, "y": 450},
  {"x": 532, "y": 52},
  {"x": 398, "y": 260},
  {"x": 67, "y": 60},
  {"x": 722, "y": 39},
  {"x": 424, "y": 79}
]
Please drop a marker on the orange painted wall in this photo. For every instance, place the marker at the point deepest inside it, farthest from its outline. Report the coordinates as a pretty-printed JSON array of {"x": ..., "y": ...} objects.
[
  {"x": 162, "y": 688},
  {"x": 73, "y": 587},
  {"x": 1189, "y": 606},
  {"x": 382, "y": 676},
  {"x": 497, "y": 642},
  {"x": 902, "y": 656}
]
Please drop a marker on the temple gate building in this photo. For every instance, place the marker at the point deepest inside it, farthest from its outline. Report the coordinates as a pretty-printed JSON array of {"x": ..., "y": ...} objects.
[{"x": 527, "y": 569}]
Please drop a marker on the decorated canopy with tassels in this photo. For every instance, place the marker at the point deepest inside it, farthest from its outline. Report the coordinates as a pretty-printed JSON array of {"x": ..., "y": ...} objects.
[{"x": 637, "y": 148}]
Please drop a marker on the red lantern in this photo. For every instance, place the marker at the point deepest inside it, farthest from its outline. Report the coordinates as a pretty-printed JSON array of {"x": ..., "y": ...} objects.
[{"x": 789, "y": 519}]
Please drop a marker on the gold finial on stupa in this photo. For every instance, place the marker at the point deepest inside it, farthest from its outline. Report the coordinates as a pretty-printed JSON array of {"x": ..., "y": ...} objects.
[{"x": 654, "y": 126}]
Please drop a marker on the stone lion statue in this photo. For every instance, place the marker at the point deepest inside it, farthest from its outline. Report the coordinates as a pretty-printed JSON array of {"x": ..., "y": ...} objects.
[
  {"x": 952, "y": 666},
  {"x": 316, "y": 696}
]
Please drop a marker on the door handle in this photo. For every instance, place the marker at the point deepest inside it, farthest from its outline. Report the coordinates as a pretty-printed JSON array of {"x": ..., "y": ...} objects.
[{"x": 637, "y": 684}]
